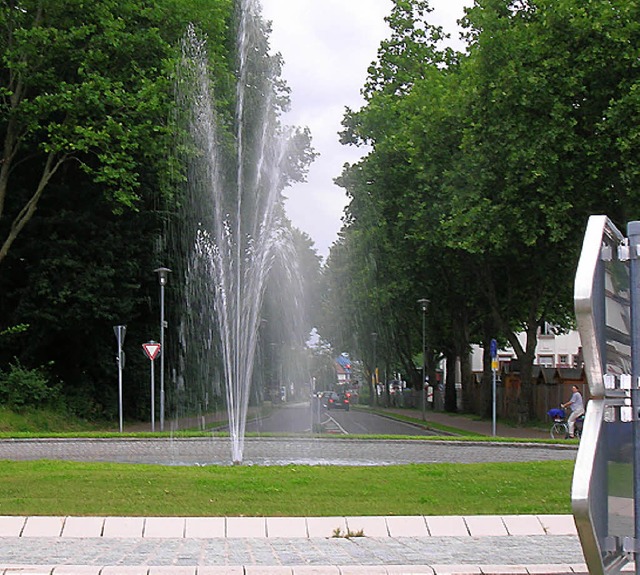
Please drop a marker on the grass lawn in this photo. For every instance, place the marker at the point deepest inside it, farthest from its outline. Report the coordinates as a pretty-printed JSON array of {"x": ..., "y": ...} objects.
[{"x": 66, "y": 488}]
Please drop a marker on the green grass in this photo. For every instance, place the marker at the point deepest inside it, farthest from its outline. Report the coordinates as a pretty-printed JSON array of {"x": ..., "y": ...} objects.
[
  {"x": 43, "y": 422},
  {"x": 65, "y": 488}
]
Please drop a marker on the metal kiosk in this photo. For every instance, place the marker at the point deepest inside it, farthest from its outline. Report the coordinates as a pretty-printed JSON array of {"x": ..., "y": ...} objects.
[{"x": 604, "y": 493}]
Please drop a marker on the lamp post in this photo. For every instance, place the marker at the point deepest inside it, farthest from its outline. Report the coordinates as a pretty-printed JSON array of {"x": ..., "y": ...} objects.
[
  {"x": 374, "y": 376},
  {"x": 163, "y": 274},
  {"x": 424, "y": 304}
]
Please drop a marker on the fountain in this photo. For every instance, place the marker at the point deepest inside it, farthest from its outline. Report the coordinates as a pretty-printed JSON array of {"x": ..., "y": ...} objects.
[{"x": 230, "y": 230}]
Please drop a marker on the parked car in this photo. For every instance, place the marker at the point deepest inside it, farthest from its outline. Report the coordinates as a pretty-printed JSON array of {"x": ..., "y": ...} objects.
[{"x": 338, "y": 401}]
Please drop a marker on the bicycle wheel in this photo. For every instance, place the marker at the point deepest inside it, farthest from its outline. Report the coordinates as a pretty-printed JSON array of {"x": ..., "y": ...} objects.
[{"x": 559, "y": 430}]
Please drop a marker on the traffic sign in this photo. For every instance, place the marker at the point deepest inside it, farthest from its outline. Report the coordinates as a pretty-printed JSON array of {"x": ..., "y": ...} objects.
[{"x": 151, "y": 349}]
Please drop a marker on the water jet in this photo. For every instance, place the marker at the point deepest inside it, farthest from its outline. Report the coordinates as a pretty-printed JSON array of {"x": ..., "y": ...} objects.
[{"x": 230, "y": 230}]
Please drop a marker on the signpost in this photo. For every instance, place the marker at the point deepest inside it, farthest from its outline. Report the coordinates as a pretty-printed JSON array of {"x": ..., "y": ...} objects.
[
  {"x": 120, "y": 331},
  {"x": 494, "y": 369},
  {"x": 151, "y": 350}
]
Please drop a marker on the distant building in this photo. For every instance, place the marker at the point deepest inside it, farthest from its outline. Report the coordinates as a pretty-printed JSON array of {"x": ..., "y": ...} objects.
[
  {"x": 343, "y": 369},
  {"x": 562, "y": 350}
]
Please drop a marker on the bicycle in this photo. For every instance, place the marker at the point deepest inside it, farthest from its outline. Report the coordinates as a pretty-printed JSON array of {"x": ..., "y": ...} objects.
[{"x": 560, "y": 427}]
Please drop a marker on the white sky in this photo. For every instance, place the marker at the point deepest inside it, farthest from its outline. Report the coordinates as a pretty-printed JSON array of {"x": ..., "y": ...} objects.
[{"x": 327, "y": 46}]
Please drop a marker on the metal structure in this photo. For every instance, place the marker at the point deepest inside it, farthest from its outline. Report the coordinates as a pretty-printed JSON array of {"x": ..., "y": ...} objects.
[
  {"x": 120, "y": 331},
  {"x": 424, "y": 305},
  {"x": 603, "y": 493},
  {"x": 151, "y": 350},
  {"x": 494, "y": 369},
  {"x": 163, "y": 274}
]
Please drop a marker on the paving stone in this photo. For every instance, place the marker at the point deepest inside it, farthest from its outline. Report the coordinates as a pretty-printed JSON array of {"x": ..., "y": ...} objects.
[
  {"x": 485, "y": 525},
  {"x": 164, "y": 527},
  {"x": 410, "y": 526},
  {"x": 77, "y": 570},
  {"x": 369, "y": 526},
  {"x": 364, "y": 570},
  {"x": 286, "y": 527},
  {"x": 227, "y": 570},
  {"x": 43, "y": 527},
  {"x": 124, "y": 570},
  {"x": 523, "y": 525},
  {"x": 503, "y": 569},
  {"x": 11, "y": 526},
  {"x": 205, "y": 527},
  {"x": 246, "y": 527},
  {"x": 268, "y": 570},
  {"x": 409, "y": 570},
  {"x": 325, "y": 526},
  {"x": 558, "y": 524},
  {"x": 559, "y": 569},
  {"x": 83, "y": 527},
  {"x": 440, "y": 526},
  {"x": 123, "y": 527},
  {"x": 172, "y": 570},
  {"x": 456, "y": 570}
]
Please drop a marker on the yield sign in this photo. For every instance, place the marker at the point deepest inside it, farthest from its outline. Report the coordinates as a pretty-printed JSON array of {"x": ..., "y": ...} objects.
[{"x": 151, "y": 349}]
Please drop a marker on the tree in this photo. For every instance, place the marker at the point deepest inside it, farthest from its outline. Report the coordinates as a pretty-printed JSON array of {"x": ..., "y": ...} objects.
[
  {"x": 79, "y": 84},
  {"x": 485, "y": 166},
  {"x": 85, "y": 102},
  {"x": 536, "y": 157}
]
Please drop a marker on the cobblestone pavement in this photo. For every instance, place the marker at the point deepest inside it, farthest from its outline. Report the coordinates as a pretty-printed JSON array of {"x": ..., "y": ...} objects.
[
  {"x": 92, "y": 545},
  {"x": 511, "y": 551},
  {"x": 269, "y": 451}
]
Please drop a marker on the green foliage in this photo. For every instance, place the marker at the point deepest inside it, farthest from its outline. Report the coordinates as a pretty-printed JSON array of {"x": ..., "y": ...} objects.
[
  {"x": 21, "y": 388},
  {"x": 86, "y": 101},
  {"x": 483, "y": 171},
  {"x": 15, "y": 329}
]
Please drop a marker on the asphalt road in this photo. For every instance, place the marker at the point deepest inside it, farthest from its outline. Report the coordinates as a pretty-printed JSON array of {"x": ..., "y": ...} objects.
[{"x": 301, "y": 417}]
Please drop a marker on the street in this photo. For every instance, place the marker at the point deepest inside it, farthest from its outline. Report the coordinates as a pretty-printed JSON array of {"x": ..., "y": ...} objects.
[
  {"x": 308, "y": 450},
  {"x": 301, "y": 417}
]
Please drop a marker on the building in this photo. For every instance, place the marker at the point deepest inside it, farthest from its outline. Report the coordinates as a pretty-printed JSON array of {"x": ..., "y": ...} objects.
[{"x": 553, "y": 351}]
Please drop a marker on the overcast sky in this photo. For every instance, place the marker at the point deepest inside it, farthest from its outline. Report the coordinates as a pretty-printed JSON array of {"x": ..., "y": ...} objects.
[{"x": 327, "y": 46}]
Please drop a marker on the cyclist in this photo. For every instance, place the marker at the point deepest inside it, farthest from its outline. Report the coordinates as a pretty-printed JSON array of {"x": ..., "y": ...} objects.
[{"x": 577, "y": 409}]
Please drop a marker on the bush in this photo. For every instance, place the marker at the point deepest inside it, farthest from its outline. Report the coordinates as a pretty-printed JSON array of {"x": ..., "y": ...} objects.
[{"x": 21, "y": 387}]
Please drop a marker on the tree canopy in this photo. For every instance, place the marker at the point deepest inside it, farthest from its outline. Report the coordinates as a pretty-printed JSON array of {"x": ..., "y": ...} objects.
[
  {"x": 87, "y": 178},
  {"x": 484, "y": 167}
]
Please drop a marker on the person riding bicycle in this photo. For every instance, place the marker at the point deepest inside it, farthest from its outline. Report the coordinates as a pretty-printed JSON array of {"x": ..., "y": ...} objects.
[{"x": 577, "y": 409}]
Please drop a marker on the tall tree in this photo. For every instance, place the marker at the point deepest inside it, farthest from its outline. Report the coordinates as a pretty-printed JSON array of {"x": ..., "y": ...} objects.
[
  {"x": 486, "y": 165},
  {"x": 85, "y": 102},
  {"x": 82, "y": 84}
]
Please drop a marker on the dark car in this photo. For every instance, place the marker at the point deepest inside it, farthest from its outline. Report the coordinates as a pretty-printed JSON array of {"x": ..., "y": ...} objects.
[
  {"x": 338, "y": 401},
  {"x": 324, "y": 396}
]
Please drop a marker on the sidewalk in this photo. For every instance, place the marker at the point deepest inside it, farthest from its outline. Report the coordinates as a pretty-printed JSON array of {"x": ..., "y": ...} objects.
[
  {"x": 471, "y": 424},
  {"x": 443, "y": 545}
]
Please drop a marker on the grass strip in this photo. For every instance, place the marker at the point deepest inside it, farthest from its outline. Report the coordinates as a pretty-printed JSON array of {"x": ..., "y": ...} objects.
[{"x": 105, "y": 489}]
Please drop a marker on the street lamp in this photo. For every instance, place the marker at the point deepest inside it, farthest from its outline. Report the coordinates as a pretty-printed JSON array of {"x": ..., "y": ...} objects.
[
  {"x": 163, "y": 274},
  {"x": 424, "y": 304},
  {"x": 374, "y": 399}
]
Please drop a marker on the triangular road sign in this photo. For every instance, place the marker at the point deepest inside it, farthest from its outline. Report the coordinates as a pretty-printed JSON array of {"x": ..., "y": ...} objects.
[{"x": 151, "y": 349}]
